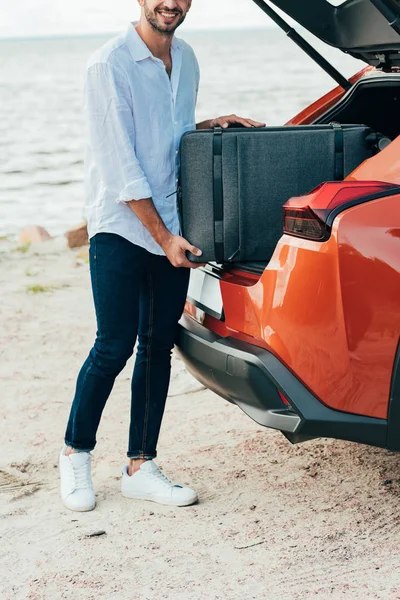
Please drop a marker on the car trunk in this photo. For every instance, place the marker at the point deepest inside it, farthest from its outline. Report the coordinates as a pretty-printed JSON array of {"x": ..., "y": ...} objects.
[
  {"x": 373, "y": 101},
  {"x": 366, "y": 29}
]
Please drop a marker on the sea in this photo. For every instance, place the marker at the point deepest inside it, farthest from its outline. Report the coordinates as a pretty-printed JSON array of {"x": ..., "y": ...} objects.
[{"x": 257, "y": 73}]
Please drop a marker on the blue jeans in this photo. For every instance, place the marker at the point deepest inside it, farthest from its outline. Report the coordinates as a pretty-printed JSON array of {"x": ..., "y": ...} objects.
[{"x": 136, "y": 295}]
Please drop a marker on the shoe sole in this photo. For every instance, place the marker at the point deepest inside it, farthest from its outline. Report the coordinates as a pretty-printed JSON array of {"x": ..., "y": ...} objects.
[
  {"x": 79, "y": 509},
  {"x": 165, "y": 502}
]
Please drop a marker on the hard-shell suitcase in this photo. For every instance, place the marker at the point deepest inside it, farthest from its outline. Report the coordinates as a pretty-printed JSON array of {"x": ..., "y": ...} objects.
[{"x": 234, "y": 182}]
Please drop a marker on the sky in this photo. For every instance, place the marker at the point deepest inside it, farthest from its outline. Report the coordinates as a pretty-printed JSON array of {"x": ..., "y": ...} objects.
[{"x": 26, "y": 18}]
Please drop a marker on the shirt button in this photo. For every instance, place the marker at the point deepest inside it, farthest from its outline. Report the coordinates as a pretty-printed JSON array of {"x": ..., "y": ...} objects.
[{"x": 177, "y": 152}]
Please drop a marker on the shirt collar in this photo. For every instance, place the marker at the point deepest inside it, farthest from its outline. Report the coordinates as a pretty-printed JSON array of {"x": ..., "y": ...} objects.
[{"x": 138, "y": 48}]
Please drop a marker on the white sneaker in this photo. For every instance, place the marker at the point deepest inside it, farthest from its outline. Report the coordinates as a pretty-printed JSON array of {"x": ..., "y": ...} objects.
[
  {"x": 76, "y": 485},
  {"x": 149, "y": 483}
]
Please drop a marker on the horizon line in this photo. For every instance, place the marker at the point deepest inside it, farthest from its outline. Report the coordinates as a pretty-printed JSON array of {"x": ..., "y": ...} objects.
[{"x": 49, "y": 36}]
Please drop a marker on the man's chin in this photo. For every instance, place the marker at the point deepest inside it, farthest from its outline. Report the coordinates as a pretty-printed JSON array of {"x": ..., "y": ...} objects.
[{"x": 166, "y": 28}]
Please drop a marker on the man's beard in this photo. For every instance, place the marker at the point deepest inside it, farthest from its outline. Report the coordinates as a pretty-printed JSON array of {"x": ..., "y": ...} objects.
[{"x": 167, "y": 30}]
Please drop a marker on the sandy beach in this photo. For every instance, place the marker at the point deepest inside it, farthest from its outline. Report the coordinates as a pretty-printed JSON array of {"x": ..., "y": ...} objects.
[{"x": 274, "y": 521}]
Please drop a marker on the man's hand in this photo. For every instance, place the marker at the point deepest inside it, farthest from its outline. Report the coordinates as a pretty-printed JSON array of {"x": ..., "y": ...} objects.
[
  {"x": 175, "y": 248},
  {"x": 224, "y": 122}
]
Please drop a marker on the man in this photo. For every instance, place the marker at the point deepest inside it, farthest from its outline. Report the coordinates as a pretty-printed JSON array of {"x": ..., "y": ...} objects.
[{"x": 140, "y": 96}]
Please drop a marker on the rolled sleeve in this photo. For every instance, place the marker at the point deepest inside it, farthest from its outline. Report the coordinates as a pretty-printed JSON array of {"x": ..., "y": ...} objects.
[
  {"x": 108, "y": 107},
  {"x": 136, "y": 190}
]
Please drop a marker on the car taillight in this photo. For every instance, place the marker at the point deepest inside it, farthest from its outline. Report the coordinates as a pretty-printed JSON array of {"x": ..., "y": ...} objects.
[{"x": 308, "y": 216}]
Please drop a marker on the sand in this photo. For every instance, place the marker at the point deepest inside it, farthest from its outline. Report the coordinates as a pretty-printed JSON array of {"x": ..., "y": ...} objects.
[{"x": 274, "y": 521}]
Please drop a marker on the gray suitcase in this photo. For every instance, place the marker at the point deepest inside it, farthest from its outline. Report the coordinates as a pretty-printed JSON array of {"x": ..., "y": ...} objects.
[{"x": 234, "y": 182}]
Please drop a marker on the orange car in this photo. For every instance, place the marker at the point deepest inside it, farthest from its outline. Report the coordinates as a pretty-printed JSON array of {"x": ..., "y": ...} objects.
[{"x": 308, "y": 341}]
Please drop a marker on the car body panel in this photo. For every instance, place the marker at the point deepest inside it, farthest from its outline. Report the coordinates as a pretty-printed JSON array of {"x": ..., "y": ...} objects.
[
  {"x": 314, "y": 307},
  {"x": 384, "y": 166}
]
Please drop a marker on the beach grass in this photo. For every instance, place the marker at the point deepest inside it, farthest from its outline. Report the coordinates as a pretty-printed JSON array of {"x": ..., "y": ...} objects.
[
  {"x": 44, "y": 289},
  {"x": 23, "y": 248},
  {"x": 39, "y": 289}
]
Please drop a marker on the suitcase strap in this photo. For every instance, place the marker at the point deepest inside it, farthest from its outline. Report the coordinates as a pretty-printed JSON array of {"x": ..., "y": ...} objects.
[
  {"x": 218, "y": 184},
  {"x": 339, "y": 150},
  {"x": 218, "y": 196}
]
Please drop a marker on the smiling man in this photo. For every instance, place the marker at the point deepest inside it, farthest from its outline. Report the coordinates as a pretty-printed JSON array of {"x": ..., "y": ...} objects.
[{"x": 140, "y": 97}]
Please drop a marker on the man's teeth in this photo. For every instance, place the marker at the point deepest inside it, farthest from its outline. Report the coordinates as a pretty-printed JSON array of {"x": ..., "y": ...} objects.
[{"x": 168, "y": 15}]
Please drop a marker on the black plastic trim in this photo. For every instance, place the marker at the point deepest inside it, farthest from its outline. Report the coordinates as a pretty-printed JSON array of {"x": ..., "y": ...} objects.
[
  {"x": 373, "y": 100},
  {"x": 393, "y": 439},
  {"x": 330, "y": 115},
  {"x": 251, "y": 377},
  {"x": 389, "y": 13},
  {"x": 213, "y": 270},
  {"x": 357, "y": 27},
  {"x": 255, "y": 268}
]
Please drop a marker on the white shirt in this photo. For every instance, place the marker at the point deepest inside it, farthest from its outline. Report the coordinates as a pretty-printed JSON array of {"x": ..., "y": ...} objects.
[{"x": 136, "y": 116}]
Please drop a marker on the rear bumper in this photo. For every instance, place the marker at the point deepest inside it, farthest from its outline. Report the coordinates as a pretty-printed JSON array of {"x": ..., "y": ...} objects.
[{"x": 251, "y": 377}]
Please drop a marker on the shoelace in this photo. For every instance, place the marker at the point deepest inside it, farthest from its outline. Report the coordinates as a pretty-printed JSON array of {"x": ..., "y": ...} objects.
[
  {"x": 81, "y": 476},
  {"x": 161, "y": 477}
]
